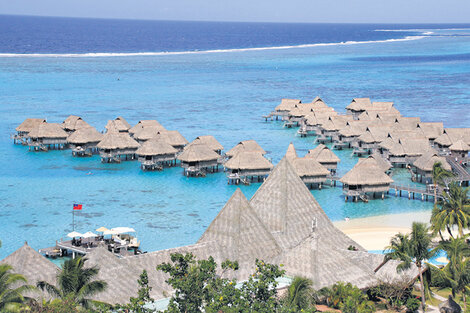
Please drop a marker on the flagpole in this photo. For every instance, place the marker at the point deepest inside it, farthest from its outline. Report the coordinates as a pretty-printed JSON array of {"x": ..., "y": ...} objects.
[{"x": 73, "y": 219}]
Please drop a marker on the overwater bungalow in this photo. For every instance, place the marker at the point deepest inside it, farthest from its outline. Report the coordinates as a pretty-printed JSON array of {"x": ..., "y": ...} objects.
[
  {"x": 247, "y": 166},
  {"x": 366, "y": 178},
  {"x": 349, "y": 133},
  {"x": 431, "y": 130},
  {"x": 155, "y": 153},
  {"x": 47, "y": 136},
  {"x": 145, "y": 123},
  {"x": 312, "y": 173},
  {"x": 329, "y": 130},
  {"x": 449, "y": 137},
  {"x": 422, "y": 167},
  {"x": 210, "y": 142},
  {"x": 384, "y": 164},
  {"x": 84, "y": 141},
  {"x": 310, "y": 123},
  {"x": 407, "y": 123},
  {"x": 72, "y": 123},
  {"x": 119, "y": 124},
  {"x": 407, "y": 150},
  {"x": 459, "y": 150},
  {"x": 323, "y": 155},
  {"x": 246, "y": 145},
  {"x": 198, "y": 159},
  {"x": 357, "y": 106},
  {"x": 22, "y": 131},
  {"x": 146, "y": 133},
  {"x": 174, "y": 138},
  {"x": 117, "y": 146},
  {"x": 368, "y": 142},
  {"x": 284, "y": 108}
]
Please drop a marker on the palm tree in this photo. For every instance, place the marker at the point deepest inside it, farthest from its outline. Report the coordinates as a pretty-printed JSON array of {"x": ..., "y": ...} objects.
[
  {"x": 11, "y": 298},
  {"x": 413, "y": 248},
  {"x": 299, "y": 293},
  {"x": 452, "y": 210},
  {"x": 75, "y": 282},
  {"x": 439, "y": 174}
]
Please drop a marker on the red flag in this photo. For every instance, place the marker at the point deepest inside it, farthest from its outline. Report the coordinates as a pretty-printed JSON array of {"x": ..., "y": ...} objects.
[{"x": 77, "y": 206}]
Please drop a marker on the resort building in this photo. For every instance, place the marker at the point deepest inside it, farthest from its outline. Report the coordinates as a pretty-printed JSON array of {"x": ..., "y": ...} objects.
[
  {"x": 245, "y": 146},
  {"x": 47, "y": 136},
  {"x": 72, "y": 123},
  {"x": 459, "y": 150},
  {"x": 119, "y": 124},
  {"x": 431, "y": 130},
  {"x": 84, "y": 141},
  {"x": 449, "y": 137},
  {"x": 154, "y": 154},
  {"x": 284, "y": 108},
  {"x": 323, "y": 155},
  {"x": 407, "y": 150},
  {"x": 329, "y": 130},
  {"x": 366, "y": 178},
  {"x": 348, "y": 134},
  {"x": 209, "y": 141},
  {"x": 145, "y": 123},
  {"x": 368, "y": 142},
  {"x": 424, "y": 164},
  {"x": 247, "y": 166},
  {"x": 197, "y": 159},
  {"x": 312, "y": 173},
  {"x": 357, "y": 106},
  {"x": 117, "y": 146},
  {"x": 146, "y": 133},
  {"x": 24, "y": 128},
  {"x": 174, "y": 138}
]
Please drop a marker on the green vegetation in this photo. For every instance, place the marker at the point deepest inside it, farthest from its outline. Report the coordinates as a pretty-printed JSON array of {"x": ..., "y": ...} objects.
[
  {"x": 11, "y": 296},
  {"x": 439, "y": 175},
  {"x": 347, "y": 298}
]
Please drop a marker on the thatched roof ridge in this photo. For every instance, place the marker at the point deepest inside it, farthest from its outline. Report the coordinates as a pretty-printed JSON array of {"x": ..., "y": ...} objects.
[
  {"x": 48, "y": 130},
  {"x": 29, "y": 123},
  {"x": 175, "y": 138},
  {"x": 381, "y": 162},
  {"x": 428, "y": 159},
  {"x": 119, "y": 123},
  {"x": 305, "y": 167},
  {"x": 287, "y": 104},
  {"x": 248, "y": 160},
  {"x": 359, "y": 104},
  {"x": 291, "y": 153},
  {"x": 246, "y": 145},
  {"x": 115, "y": 140},
  {"x": 459, "y": 145},
  {"x": 366, "y": 172},
  {"x": 155, "y": 147},
  {"x": 198, "y": 153},
  {"x": 145, "y": 123},
  {"x": 322, "y": 154},
  {"x": 85, "y": 135},
  {"x": 382, "y": 106},
  {"x": 431, "y": 130},
  {"x": 73, "y": 123},
  {"x": 146, "y": 133}
]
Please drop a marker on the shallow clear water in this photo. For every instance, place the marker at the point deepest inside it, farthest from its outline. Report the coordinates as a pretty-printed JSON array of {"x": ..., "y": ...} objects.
[{"x": 223, "y": 94}]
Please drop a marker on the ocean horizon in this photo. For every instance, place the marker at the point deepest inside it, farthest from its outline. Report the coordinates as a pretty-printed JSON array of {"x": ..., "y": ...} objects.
[{"x": 200, "y": 78}]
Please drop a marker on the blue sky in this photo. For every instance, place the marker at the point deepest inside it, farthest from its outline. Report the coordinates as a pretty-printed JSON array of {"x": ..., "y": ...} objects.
[{"x": 347, "y": 11}]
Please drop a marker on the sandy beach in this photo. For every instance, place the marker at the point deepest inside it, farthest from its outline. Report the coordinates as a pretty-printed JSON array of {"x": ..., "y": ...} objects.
[{"x": 374, "y": 233}]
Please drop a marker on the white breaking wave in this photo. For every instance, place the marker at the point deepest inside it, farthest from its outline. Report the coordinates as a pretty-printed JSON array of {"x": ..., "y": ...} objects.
[{"x": 130, "y": 54}]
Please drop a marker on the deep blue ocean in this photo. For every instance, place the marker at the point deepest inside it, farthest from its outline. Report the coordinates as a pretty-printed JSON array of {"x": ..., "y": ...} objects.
[{"x": 199, "y": 78}]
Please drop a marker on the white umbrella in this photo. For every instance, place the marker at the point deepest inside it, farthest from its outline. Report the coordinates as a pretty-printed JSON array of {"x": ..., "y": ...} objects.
[
  {"x": 74, "y": 234},
  {"x": 123, "y": 230},
  {"x": 110, "y": 232},
  {"x": 89, "y": 234}
]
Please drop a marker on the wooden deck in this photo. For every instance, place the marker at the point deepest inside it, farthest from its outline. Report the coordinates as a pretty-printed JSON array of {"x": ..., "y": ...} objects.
[{"x": 64, "y": 248}]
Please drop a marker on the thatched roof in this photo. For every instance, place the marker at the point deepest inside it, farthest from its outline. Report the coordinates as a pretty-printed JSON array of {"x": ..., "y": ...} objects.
[
  {"x": 29, "y": 123},
  {"x": 115, "y": 140},
  {"x": 459, "y": 145},
  {"x": 359, "y": 104},
  {"x": 146, "y": 133},
  {"x": 155, "y": 147},
  {"x": 322, "y": 154},
  {"x": 291, "y": 153},
  {"x": 410, "y": 147},
  {"x": 240, "y": 233},
  {"x": 198, "y": 153},
  {"x": 366, "y": 172},
  {"x": 305, "y": 167},
  {"x": 407, "y": 122},
  {"x": 246, "y": 145},
  {"x": 119, "y": 124},
  {"x": 73, "y": 123},
  {"x": 32, "y": 265},
  {"x": 374, "y": 134},
  {"x": 85, "y": 135},
  {"x": 381, "y": 162},
  {"x": 287, "y": 104},
  {"x": 428, "y": 159},
  {"x": 431, "y": 130},
  {"x": 145, "y": 123},
  {"x": 48, "y": 130},
  {"x": 452, "y": 135},
  {"x": 209, "y": 141},
  {"x": 247, "y": 160}
]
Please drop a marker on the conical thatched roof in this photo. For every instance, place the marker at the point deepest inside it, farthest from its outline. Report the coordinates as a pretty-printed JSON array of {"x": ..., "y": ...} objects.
[
  {"x": 287, "y": 104},
  {"x": 239, "y": 232},
  {"x": 322, "y": 154},
  {"x": 119, "y": 124},
  {"x": 85, "y": 135},
  {"x": 291, "y": 153},
  {"x": 73, "y": 123},
  {"x": 359, "y": 104},
  {"x": 30, "y": 123},
  {"x": 173, "y": 137},
  {"x": 459, "y": 145},
  {"x": 428, "y": 159},
  {"x": 246, "y": 145},
  {"x": 209, "y": 141},
  {"x": 28, "y": 262},
  {"x": 198, "y": 153},
  {"x": 48, "y": 130},
  {"x": 146, "y": 133},
  {"x": 114, "y": 140},
  {"x": 246, "y": 160},
  {"x": 431, "y": 130},
  {"x": 381, "y": 162},
  {"x": 155, "y": 147},
  {"x": 305, "y": 167},
  {"x": 366, "y": 172},
  {"x": 145, "y": 123}
]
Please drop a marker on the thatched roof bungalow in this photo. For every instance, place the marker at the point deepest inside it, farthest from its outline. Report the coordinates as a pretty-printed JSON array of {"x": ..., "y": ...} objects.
[
  {"x": 119, "y": 124},
  {"x": 247, "y": 166},
  {"x": 366, "y": 177},
  {"x": 155, "y": 153},
  {"x": 116, "y": 146},
  {"x": 431, "y": 130},
  {"x": 210, "y": 142},
  {"x": 309, "y": 170},
  {"x": 174, "y": 138},
  {"x": 323, "y": 155},
  {"x": 459, "y": 150},
  {"x": 407, "y": 150},
  {"x": 197, "y": 159},
  {"x": 73, "y": 122},
  {"x": 84, "y": 141},
  {"x": 146, "y": 133},
  {"x": 286, "y": 105},
  {"x": 357, "y": 106},
  {"x": 424, "y": 164},
  {"x": 145, "y": 123},
  {"x": 246, "y": 145},
  {"x": 369, "y": 141},
  {"x": 28, "y": 125},
  {"x": 450, "y": 136},
  {"x": 47, "y": 136}
]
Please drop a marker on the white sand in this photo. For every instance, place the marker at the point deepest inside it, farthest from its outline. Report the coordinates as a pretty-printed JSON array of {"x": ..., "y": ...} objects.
[{"x": 374, "y": 233}]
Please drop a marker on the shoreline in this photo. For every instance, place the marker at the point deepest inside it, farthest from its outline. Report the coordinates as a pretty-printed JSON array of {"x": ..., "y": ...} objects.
[{"x": 375, "y": 232}]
